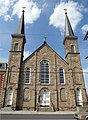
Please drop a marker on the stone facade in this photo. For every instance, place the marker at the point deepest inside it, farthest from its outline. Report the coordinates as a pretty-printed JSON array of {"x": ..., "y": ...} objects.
[
  {"x": 62, "y": 95},
  {"x": 44, "y": 81}
]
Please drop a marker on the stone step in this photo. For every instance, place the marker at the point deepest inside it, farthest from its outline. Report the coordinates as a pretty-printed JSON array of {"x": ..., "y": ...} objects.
[
  {"x": 6, "y": 109},
  {"x": 82, "y": 109},
  {"x": 45, "y": 109}
]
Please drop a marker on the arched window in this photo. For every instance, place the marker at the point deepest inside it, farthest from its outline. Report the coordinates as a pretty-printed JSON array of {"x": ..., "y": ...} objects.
[
  {"x": 63, "y": 95},
  {"x": 27, "y": 75},
  {"x": 61, "y": 75},
  {"x": 79, "y": 97},
  {"x": 72, "y": 48},
  {"x": 44, "y": 97},
  {"x": 16, "y": 47},
  {"x": 12, "y": 73},
  {"x": 26, "y": 94},
  {"x": 44, "y": 72},
  {"x": 9, "y": 96}
]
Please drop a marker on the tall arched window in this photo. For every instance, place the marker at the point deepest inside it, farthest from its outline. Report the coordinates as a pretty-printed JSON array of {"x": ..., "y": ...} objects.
[
  {"x": 79, "y": 97},
  {"x": 63, "y": 95},
  {"x": 72, "y": 48},
  {"x": 26, "y": 94},
  {"x": 27, "y": 75},
  {"x": 44, "y": 97},
  {"x": 61, "y": 75},
  {"x": 12, "y": 73},
  {"x": 44, "y": 72},
  {"x": 16, "y": 47},
  {"x": 9, "y": 96}
]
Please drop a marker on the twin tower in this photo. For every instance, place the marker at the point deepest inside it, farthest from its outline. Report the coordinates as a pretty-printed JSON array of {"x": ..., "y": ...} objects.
[{"x": 44, "y": 81}]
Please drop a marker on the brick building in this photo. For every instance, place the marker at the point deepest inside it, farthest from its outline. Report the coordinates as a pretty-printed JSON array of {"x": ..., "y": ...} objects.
[
  {"x": 44, "y": 81},
  {"x": 3, "y": 67}
]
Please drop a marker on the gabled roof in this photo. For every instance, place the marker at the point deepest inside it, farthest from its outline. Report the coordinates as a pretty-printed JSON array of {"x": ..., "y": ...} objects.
[{"x": 44, "y": 44}]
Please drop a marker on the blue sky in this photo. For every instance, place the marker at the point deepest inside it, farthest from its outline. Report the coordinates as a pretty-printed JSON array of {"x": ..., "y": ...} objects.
[{"x": 44, "y": 17}]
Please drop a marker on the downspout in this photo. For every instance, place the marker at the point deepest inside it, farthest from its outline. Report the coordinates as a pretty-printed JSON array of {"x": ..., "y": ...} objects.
[
  {"x": 35, "y": 80},
  {"x": 56, "y": 83}
]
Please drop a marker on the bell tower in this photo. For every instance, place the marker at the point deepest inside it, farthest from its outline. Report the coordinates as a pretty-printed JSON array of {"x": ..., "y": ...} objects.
[
  {"x": 71, "y": 45},
  {"x": 14, "y": 65},
  {"x": 70, "y": 41},
  {"x": 73, "y": 60}
]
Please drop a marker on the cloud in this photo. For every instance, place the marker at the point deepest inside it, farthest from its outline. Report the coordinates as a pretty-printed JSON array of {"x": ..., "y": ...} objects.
[
  {"x": 7, "y": 17},
  {"x": 4, "y": 60},
  {"x": 9, "y": 8},
  {"x": 5, "y": 8},
  {"x": 74, "y": 9},
  {"x": 26, "y": 54},
  {"x": 32, "y": 11},
  {"x": 84, "y": 28}
]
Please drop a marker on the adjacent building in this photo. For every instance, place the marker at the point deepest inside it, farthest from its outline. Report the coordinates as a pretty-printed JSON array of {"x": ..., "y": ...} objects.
[{"x": 3, "y": 67}]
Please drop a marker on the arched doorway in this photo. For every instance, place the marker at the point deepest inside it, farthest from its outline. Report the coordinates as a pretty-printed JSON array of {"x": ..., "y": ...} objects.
[
  {"x": 44, "y": 97},
  {"x": 9, "y": 96}
]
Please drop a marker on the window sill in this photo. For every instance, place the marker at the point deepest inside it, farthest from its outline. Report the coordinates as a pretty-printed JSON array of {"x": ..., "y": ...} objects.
[
  {"x": 27, "y": 83},
  {"x": 44, "y": 83},
  {"x": 61, "y": 83}
]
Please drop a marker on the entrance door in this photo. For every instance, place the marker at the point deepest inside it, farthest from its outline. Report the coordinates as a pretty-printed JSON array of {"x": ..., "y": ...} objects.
[
  {"x": 9, "y": 96},
  {"x": 44, "y": 97}
]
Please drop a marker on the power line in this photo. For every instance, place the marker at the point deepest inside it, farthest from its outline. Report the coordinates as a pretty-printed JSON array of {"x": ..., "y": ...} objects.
[
  {"x": 37, "y": 34},
  {"x": 42, "y": 72}
]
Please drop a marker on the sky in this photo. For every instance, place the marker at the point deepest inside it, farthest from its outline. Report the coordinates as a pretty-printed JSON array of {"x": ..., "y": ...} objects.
[{"x": 44, "y": 17}]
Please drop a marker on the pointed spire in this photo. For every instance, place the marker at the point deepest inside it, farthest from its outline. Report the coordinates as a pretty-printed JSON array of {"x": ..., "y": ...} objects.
[
  {"x": 68, "y": 28},
  {"x": 21, "y": 26}
]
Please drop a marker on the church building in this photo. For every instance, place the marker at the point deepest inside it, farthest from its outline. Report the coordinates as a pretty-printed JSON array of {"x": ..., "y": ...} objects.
[{"x": 44, "y": 81}]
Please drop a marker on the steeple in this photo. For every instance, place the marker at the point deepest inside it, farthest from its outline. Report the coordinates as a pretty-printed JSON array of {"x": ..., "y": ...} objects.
[
  {"x": 21, "y": 26},
  {"x": 68, "y": 29}
]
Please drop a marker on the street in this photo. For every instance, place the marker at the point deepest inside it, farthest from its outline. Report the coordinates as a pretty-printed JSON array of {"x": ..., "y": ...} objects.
[{"x": 37, "y": 117}]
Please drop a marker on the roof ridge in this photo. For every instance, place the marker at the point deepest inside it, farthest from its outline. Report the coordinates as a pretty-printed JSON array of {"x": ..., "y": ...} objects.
[{"x": 40, "y": 48}]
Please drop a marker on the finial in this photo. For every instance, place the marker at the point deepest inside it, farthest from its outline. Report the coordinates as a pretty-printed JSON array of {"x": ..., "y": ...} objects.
[
  {"x": 65, "y": 11},
  {"x": 23, "y": 9},
  {"x": 44, "y": 39}
]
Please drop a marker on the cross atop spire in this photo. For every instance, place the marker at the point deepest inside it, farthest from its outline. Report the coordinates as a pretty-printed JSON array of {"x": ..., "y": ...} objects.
[
  {"x": 65, "y": 11},
  {"x": 21, "y": 26},
  {"x": 44, "y": 39},
  {"x": 68, "y": 28}
]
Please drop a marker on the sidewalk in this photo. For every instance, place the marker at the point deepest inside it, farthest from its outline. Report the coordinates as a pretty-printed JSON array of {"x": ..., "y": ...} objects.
[{"x": 35, "y": 112}]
